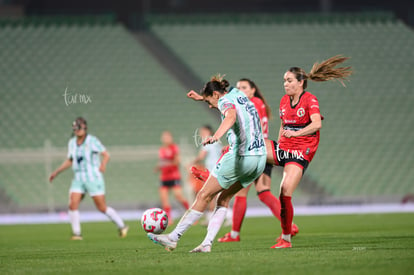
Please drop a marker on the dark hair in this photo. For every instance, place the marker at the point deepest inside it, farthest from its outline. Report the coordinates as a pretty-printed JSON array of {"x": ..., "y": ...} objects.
[
  {"x": 324, "y": 71},
  {"x": 217, "y": 83},
  {"x": 258, "y": 94},
  {"x": 78, "y": 122}
]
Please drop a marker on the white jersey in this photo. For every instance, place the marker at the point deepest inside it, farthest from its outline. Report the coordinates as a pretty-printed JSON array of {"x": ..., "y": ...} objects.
[
  {"x": 86, "y": 158},
  {"x": 213, "y": 155},
  {"x": 245, "y": 136}
]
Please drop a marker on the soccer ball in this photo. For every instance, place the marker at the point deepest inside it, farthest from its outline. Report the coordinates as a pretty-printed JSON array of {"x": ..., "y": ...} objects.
[{"x": 154, "y": 220}]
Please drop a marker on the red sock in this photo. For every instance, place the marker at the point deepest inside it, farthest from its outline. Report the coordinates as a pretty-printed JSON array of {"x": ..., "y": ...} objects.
[
  {"x": 272, "y": 202},
  {"x": 286, "y": 214},
  {"x": 168, "y": 210},
  {"x": 239, "y": 210},
  {"x": 186, "y": 205}
]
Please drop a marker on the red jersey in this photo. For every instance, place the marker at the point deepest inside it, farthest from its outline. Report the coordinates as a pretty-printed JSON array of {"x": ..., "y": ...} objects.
[
  {"x": 169, "y": 171},
  {"x": 298, "y": 117},
  {"x": 261, "y": 109}
]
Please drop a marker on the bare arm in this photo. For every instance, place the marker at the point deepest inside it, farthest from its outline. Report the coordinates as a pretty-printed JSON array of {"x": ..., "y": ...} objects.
[
  {"x": 194, "y": 95},
  {"x": 226, "y": 124},
  {"x": 105, "y": 159},
  {"x": 280, "y": 131},
  {"x": 65, "y": 165},
  {"x": 314, "y": 126}
]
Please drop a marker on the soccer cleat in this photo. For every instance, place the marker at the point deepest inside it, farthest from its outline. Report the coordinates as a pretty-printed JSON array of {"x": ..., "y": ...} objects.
[
  {"x": 123, "y": 232},
  {"x": 295, "y": 230},
  {"x": 200, "y": 174},
  {"x": 227, "y": 238},
  {"x": 282, "y": 244},
  {"x": 163, "y": 240},
  {"x": 76, "y": 238},
  {"x": 202, "y": 249}
]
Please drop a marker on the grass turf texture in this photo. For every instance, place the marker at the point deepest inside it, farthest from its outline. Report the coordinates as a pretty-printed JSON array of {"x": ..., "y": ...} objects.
[{"x": 342, "y": 244}]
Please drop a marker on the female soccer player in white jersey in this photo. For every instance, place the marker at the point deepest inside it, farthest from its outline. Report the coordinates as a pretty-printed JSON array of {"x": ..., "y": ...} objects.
[
  {"x": 263, "y": 183},
  {"x": 244, "y": 162},
  {"x": 84, "y": 152}
]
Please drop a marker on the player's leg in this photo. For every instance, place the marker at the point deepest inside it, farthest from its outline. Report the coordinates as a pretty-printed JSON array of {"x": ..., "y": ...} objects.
[
  {"x": 96, "y": 190},
  {"x": 75, "y": 197},
  {"x": 218, "y": 217},
  {"x": 239, "y": 211},
  {"x": 246, "y": 170},
  {"x": 178, "y": 193},
  {"x": 292, "y": 174},
  {"x": 263, "y": 187},
  {"x": 192, "y": 215},
  {"x": 101, "y": 205}
]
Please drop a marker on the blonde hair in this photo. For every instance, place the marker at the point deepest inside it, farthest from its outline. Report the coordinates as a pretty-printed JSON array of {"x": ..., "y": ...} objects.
[{"x": 324, "y": 71}]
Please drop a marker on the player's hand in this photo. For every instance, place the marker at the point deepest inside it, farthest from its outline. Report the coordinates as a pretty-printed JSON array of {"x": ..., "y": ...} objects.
[
  {"x": 52, "y": 176},
  {"x": 194, "y": 95},
  {"x": 225, "y": 149},
  {"x": 102, "y": 168},
  {"x": 210, "y": 140},
  {"x": 289, "y": 133}
]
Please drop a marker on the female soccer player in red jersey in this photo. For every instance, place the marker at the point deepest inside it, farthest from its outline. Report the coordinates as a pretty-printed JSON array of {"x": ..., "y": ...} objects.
[
  {"x": 299, "y": 132},
  {"x": 263, "y": 183},
  {"x": 169, "y": 162}
]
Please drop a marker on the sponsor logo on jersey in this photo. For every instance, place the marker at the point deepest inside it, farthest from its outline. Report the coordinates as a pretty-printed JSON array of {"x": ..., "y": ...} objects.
[
  {"x": 242, "y": 100},
  {"x": 79, "y": 159},
  {"x": 314, "y": 106},
  {"x": 300, "y": 112},
  {"x": 258, "y": 143},
  {"x": 281, "y": 112}
]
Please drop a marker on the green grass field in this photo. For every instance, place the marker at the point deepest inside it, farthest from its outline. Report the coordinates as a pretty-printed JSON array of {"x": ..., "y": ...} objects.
[{"x": 342, "y": 244}]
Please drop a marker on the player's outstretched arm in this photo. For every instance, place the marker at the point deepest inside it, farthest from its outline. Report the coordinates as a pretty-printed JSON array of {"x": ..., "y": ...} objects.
[
  {"x": 65, "y": 165},
  {"x": 194, "y": 95}
]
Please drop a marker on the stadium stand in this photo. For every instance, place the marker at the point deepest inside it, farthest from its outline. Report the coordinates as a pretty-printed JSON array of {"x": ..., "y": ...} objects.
[
  {"x": 364, "y": 153},
  {"x": 126, "y": 96},
  {"x": 366, "y": 141}
]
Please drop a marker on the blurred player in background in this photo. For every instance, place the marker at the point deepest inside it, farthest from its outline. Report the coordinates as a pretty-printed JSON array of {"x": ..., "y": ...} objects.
[
  {"x": 206, "y": 159},
  {"x": 170, "y": 176},
  {"x": 264, "y": 182},
  {"x": 84, "y": 151},
  {"x": 298, "y": 137},
  {"x": 239, "y": 167}
]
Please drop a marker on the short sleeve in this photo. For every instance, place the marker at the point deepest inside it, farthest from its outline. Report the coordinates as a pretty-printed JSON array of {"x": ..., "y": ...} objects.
[
  {"x": 225, "y": 105},
  {"x": 97, "y": 146},
  {"x": 70, "y": 150},
  {"x": 313, "y": 105},
  {"x": 175, "y": 149}
]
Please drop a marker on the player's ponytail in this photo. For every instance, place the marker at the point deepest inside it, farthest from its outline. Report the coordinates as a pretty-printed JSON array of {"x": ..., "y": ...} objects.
[
  {"x": 216, "y": 83},
  {"x": 324, "y": 71}
]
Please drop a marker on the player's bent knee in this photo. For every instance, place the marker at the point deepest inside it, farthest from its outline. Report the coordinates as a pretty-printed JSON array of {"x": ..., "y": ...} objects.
[{"x": 204, "y": 196}]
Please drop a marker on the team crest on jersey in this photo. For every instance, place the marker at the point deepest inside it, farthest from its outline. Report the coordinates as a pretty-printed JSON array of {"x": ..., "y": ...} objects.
[{"x": 300, "y": 112}]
